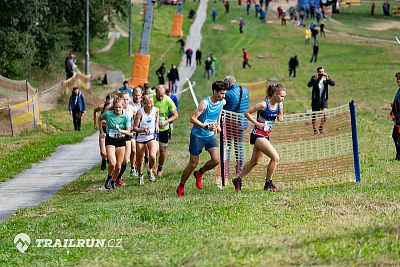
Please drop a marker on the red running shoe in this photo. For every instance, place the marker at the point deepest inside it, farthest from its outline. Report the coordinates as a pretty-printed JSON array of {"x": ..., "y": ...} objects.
[
  {"x": 120, "y": 182},
  {"x": 198, "y": 176},
  {"x": 269, "y": 186},
  {"x": 237, "y": 182},
  {"x": 180, "y": 190}
]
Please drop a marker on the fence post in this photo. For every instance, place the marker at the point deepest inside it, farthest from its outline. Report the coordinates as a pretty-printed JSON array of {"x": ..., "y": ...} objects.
[
  {"x": 26, "y": 88},
  {"x": 221, "y": 151},
  {"x": 33, "y": 112},
  {"x": 356, "y": 157},
  {"x": 11, "y": 126}
]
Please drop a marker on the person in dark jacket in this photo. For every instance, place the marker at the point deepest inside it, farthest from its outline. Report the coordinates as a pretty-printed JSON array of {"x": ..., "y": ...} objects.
[
  {"x": 237, "y": 100},
  {"x": 315, "y": 53},
  {"x": 319, "y": 96},
  {"x": 198, "y": 57},
  {"x": 160, "y": 72},
  {"x": 173, "y": 77},
  {"x": 395, "y": 113},
  {"x": 77, "y": 107},
  {"x": 293, "y": 64}
]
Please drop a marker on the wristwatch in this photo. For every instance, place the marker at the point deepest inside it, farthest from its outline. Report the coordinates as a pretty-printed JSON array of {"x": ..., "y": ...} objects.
[{"x": 206, "y": 127}]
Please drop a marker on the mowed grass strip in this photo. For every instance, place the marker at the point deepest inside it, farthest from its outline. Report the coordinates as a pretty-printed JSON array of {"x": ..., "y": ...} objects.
[{"x": 336, "y": 224}]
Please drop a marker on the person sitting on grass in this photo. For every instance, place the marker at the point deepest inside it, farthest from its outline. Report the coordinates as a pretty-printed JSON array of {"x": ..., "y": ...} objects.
[
  {"x": 267, "y": 112},
  {"x": 205, "y": 121}
]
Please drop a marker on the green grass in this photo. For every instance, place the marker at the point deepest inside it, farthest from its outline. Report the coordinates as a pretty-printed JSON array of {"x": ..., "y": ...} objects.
[{"x": 340, "y": 225}]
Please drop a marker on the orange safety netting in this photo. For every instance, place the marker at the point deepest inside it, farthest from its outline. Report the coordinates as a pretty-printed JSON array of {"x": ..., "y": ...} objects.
[
  {"x": 140, "y": 70},
  {"x": 176, "y": 30},
  {"x": 304, "y": 154},
  {"x": 79, "y": 79}
]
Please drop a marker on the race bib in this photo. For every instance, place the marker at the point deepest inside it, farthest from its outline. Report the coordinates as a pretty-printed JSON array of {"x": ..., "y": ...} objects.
[
  {"x": 268, "y": 125},
  {"x": 209, "y": 122}
]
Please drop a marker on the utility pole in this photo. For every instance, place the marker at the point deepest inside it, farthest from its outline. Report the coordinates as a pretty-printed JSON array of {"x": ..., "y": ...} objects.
[
  {"x": 87, "y": 59},
  {"x": 130, "y": 27}
]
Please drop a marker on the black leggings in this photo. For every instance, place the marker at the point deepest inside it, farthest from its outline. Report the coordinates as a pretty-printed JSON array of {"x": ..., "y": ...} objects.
[{"x": 396, "y": 139}]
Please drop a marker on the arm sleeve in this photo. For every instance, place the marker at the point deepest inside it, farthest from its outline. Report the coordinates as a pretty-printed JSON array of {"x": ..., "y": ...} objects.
[{"x": 311, "y": 82}]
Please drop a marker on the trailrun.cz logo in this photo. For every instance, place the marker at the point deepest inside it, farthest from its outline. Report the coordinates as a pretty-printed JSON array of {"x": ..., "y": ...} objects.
[{"x": 22, "y": 241}]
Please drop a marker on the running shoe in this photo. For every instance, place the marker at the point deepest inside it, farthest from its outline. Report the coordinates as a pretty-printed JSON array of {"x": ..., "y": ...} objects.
[
  {"x": 180, "y": 190},
  {"x": 120, "y": 182},
  {"x": 113, "y": 184},
  {"x": 269, "y": 186},
  {"x": 141, "y": 179},
  {"x": 159, "y": 173},
  {"x": 397, "y": 158},
  {"x": 152, "y": 178},
  {"x": 107, "y": 184},
  {"x": 103, "y": 164},
  {"x": 198, "y": 176},
  {"x": 237, "y": 182},
  {"x": 133, "y": 172}
]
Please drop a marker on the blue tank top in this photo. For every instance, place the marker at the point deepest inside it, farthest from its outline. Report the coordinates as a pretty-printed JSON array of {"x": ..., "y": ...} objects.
[
  {"x": 209, "y": 116},
  {"x": 266, "y": 117}
]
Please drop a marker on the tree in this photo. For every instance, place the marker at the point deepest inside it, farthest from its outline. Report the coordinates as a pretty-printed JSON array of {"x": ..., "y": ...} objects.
[{"x": 38, "y": 33}]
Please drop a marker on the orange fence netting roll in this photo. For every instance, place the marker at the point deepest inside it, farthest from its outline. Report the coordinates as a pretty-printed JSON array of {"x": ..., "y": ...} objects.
[
  {"x": 177, "y": 26},
  {"x": 140, "y": 70}
]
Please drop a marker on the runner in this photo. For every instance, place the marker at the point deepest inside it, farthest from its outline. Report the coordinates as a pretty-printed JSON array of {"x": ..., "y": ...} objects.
[
  {"x": 118, "y": 125},
  {"x": 137, "y": 99},
  {"x": 164, "y": 105},
  {"x": 131, "y": 111},
  {"x": 146, "y": 127},
  {"x": 267, "y": 111},
  {"x": 102, "y": 108},
  {"x": 206, "y": 124}
]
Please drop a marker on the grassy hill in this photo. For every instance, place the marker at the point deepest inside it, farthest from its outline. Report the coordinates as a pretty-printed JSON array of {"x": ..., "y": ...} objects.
[{"x": 344, "y": 224}]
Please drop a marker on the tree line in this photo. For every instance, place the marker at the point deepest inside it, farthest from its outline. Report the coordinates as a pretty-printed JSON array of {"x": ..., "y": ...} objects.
[{"x": 39, "y": 33}]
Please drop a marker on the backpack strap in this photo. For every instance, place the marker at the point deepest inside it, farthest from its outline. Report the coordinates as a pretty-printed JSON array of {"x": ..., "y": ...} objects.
[{"x": 240, "y": 98}]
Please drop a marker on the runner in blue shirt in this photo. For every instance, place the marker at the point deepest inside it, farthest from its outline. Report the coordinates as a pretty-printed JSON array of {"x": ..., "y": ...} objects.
[{"x": 205, "y": 121}]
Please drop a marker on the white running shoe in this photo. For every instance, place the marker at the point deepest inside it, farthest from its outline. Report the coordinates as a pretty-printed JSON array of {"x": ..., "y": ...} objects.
[
  {"x": 141, "y": 179},
  {"x": 152, "y": 178},
  {"x": 134, "y": 173}
]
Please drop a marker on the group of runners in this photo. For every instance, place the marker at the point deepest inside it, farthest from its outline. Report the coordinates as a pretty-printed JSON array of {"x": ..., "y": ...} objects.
[{"x": 134, "y": 128}]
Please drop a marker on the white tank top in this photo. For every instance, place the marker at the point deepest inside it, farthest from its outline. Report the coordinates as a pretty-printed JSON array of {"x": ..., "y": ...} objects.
[{"x": 147, "y": 121}]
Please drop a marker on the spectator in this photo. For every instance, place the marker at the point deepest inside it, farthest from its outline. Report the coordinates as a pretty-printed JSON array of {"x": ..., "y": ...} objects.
[
  {"x": 283, "y": 17},
  {"x": 182, "y": 43},
  {"x": 321, "y": 29},
  {"x": 198, "y": 56},
  {"x": 395, "y": 113},
  {"x": 248, "y": 5},
  {"x": 373, "y": 8},
  {"x": 70, "y": 65},
  {"x": 315, "y": 53},
  {"x": 245, "y": 59},
  {"x": 77, "y": 107},
  {"x": 307, "y": 35},
  {"x": 319, "y": 96},
  {"x": 241, "y": 25},
  {"x": 191, "y": 14},
  {"x": 213, "y": 64},
  {"x": 173, "y": 77},
  {"x": 160, "y": 72},
  {"x": 189, "y": 53},
  {"x": 293, "y": 64},
  {"x": 207, "y": 68},
  {"x": 237, "y": 100},
  {"x": 125, "y": 88},
  {"x": 226, "y": 7},
  {"x": 213, "y": 13}
]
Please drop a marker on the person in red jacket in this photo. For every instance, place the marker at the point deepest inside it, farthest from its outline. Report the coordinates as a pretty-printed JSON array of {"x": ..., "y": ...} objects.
[{"x": 245, "y": 58}]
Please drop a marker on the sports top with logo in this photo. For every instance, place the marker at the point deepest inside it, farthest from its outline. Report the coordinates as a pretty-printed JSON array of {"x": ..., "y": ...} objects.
[
  {"x": 123, "y": 121},
  {"x": 147, "y": 121},
  {"x": 209, "y": 116},
  {"x": 267, "y": 117},
  {"x": 164, "y": 106}
]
